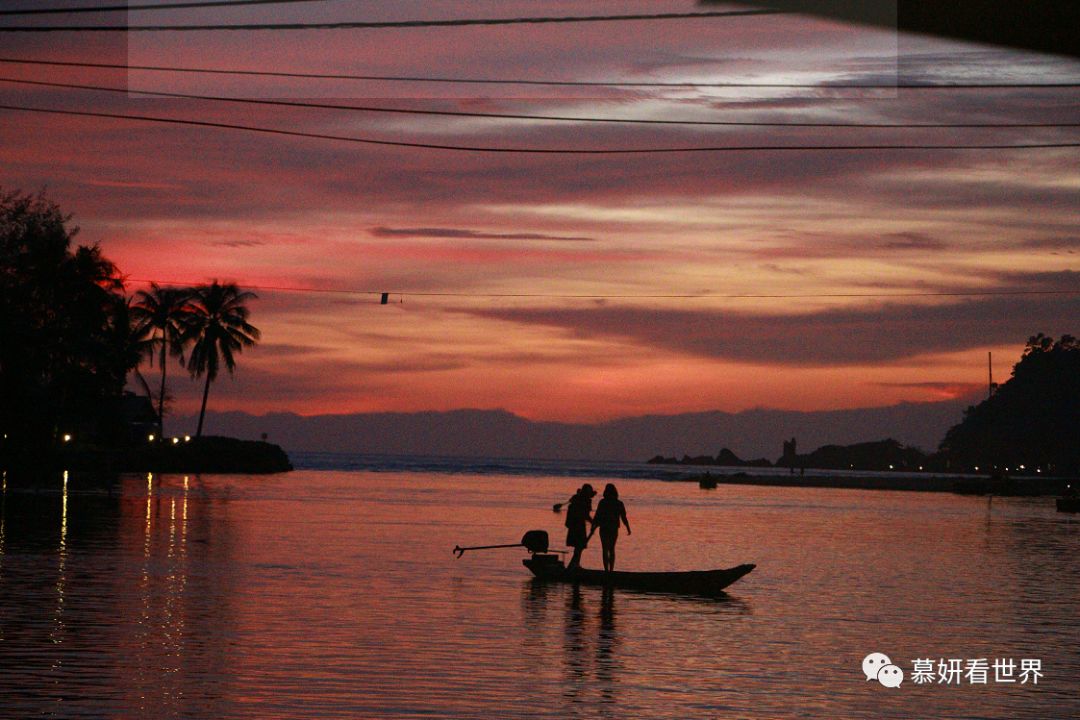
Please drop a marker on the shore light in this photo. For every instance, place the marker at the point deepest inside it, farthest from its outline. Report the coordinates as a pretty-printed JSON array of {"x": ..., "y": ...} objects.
[
  {"x": 175, "y": 440},
  {"x": 187, "y": 438},
  {"x": 150, "y": 437},
  {"x": 67, "y": 437}
]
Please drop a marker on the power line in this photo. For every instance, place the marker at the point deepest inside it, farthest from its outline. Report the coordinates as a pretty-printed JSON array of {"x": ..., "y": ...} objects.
[
  {"x": 520, "y": 116},
  {"x": 547, "y": 83},
  {"x": 533, "y": 151},
  {"x": 458, "y": 22},
  {"x": 163, "y": 6},
  {"x": 645, "y": 296}
]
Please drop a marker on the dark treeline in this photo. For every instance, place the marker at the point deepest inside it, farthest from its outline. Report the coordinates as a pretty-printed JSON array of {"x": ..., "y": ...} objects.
[
  {"x": 1031, "y": 421},
  {"x": 71, "y": 337},
  {"x": 1029, "y": 425}
]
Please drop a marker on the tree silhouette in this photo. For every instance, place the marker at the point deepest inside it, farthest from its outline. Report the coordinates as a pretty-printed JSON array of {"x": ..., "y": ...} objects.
[
  {"x": 218, "y": 329},
  {"x": 58, "y": 312},
  {"x": 1032, "y": 420},
  {"x": 163, "y": 313},
  {"x": 129, "y": 341}
]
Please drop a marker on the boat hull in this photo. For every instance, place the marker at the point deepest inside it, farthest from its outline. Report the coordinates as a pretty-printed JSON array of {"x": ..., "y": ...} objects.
[
  {"x": 1069, "y": 504},
  {"x": 697, "y": 582}
]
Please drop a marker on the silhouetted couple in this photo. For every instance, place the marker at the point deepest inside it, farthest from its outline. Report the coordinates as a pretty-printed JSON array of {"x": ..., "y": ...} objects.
[{"x": 610, "y": 511}]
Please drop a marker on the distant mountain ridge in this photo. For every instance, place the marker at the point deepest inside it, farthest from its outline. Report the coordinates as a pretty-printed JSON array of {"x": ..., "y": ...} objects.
[{"x": 499, "y": 433}]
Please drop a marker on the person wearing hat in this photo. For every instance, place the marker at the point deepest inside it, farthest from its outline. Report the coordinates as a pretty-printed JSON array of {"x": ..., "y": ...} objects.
[{"x": 577, "y": 518}]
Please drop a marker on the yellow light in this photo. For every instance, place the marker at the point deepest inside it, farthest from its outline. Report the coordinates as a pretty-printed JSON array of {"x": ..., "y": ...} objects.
[
  {"x": 175, "y": 440},
  {"x": 187, "y": 438},
  {"x": 150, "y": 437},
  {"x": 67, "y": 438}
]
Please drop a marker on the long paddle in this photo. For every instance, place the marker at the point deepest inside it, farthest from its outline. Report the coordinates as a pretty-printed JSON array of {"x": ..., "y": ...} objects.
[
  {"x": 459, "y": 551},
  {"x": 535, "y": 541},
  {"x": 557, "y": 507}
]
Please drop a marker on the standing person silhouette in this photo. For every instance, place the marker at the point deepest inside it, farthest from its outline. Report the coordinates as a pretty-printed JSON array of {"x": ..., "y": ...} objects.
[
  {"x": 610, "y": 511},
  {"x": 577, "y": 517}
]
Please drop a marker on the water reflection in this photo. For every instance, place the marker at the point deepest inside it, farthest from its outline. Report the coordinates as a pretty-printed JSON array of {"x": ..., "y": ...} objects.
[
  {"x": 592, "y": 657},
  {"x": 98, "y": 630},
  {"x": 315, "y": 596},
  {"x": 607, "y": 660}
]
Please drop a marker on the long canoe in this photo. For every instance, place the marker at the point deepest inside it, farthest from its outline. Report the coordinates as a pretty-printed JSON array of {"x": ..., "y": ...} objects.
[{"x": 699, "y": 582}]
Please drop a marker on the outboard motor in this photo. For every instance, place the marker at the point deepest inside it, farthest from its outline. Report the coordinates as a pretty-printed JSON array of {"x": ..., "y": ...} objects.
[{"x": 535, "y": 541}]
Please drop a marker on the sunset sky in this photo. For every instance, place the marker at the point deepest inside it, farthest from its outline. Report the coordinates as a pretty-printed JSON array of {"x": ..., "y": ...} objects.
[{"x": 886, "y": 251}]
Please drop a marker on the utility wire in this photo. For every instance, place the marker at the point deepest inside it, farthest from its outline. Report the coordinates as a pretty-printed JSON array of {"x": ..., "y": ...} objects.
[
  {"x": 520, "y": 116},
  {"x": 672, "y": 296},
  {"x": 162, "y": 6},
  {"x": 548, "y": 83},
  {"x": 534, "y": 151},
  {"x": 457, "y": 22}
]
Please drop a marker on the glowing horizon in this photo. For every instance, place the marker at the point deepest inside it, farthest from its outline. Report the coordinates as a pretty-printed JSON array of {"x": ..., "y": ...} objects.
[{"x": 880, "y": 247}]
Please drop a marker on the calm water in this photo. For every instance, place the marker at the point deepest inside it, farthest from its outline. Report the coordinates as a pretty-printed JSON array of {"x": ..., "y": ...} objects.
[{"x": 334, "y": 594}]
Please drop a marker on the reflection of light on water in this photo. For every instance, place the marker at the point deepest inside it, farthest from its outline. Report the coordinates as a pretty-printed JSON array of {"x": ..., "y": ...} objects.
[
  {"x": 3, "y": 514},
  {"x": 183, "y": 575},
  {"x": 149, "y": 492},
  {"x": 63, "y": 518},
  {"x": 146, "y": 549},
  {"x": 61, "y": 575},
  {"x": 172, "y": 525}
]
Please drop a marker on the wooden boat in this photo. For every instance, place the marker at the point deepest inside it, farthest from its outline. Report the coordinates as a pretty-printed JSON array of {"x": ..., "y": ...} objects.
[
  {"x": 1068, "y": 504},
  {"x": 697, "y": 582}
]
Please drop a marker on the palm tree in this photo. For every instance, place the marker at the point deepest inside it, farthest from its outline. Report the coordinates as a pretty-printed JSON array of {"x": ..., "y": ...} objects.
[
  {"x": 218, "y": 329},
  {"x": 163, "y": 312},
  {"x": 128, "y": 344}
]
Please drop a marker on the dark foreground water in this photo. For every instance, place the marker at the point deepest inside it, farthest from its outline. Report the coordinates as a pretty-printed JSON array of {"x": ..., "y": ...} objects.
[{"x": 334, "y": 594}]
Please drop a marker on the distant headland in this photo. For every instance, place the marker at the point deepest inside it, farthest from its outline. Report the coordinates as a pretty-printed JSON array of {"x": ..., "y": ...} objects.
[
  {"x": 1026, "y": 430},
  {"x": 879, "y": 455},
  {"x": 206, "y": 455}
]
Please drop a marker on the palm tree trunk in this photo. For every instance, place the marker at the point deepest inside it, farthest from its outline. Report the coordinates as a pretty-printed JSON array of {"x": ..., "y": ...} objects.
[
  {"x": 161, "y": 397},
  {"x": 202, "y": 412}
]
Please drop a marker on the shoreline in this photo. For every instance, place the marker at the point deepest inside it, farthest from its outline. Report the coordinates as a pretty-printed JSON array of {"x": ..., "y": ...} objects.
[
  {"x": 209, "y": 454},
  {"x": 1027, "y": 486}
]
